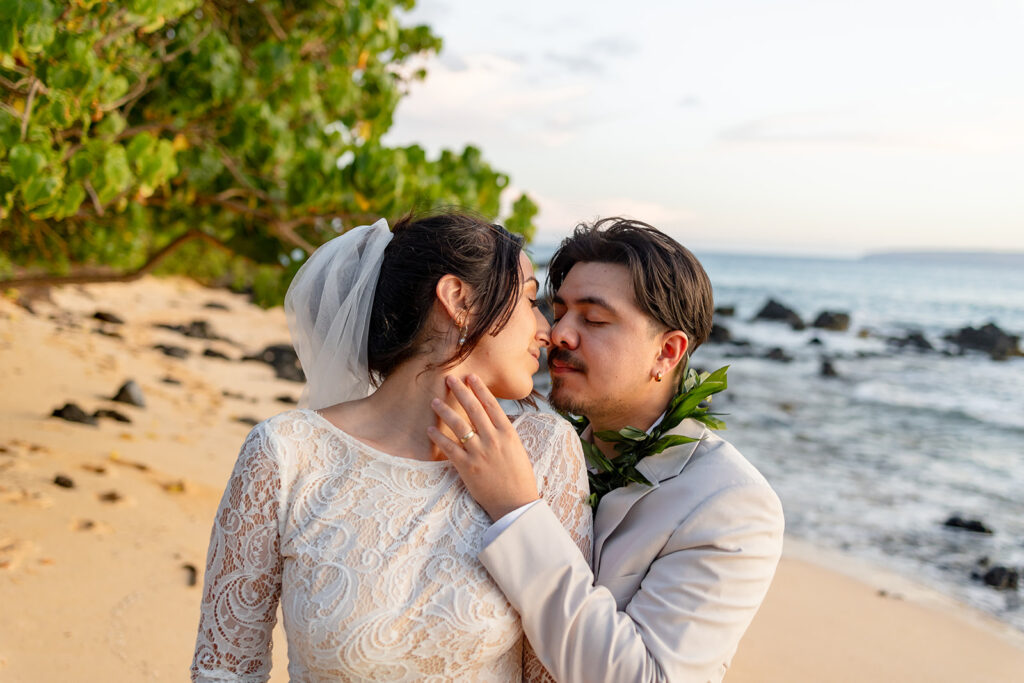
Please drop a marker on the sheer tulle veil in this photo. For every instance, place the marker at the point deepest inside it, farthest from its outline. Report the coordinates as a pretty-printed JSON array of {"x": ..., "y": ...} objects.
[{"x": 328, "y": 307}]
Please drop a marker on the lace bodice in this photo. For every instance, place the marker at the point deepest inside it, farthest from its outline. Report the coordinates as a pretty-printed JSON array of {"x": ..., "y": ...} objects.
[{"x": 372, "y": 556}]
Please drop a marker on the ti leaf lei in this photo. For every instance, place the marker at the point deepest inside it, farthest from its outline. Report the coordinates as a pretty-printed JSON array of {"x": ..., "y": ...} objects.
[{"x": 633, "y": 445}]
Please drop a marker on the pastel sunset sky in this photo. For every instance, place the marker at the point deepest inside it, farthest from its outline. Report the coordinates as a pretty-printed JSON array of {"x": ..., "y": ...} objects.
[{"x": 827, "y": 127}]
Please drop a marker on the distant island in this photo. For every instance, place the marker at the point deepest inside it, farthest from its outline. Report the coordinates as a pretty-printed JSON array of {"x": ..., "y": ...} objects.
[{"x": 981, "y": 258}]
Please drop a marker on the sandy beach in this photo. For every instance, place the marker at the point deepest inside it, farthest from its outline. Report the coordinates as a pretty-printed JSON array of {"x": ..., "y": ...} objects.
[{"x": 100, "y": 574}]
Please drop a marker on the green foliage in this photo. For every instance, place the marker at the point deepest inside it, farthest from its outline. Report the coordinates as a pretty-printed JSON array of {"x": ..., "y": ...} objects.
[
  {"x": 124, "y": 125},
  {"x": 693, "y": 400}
]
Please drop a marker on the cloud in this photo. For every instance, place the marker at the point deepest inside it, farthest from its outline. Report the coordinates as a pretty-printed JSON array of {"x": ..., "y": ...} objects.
[
  {"x": 578, "y": 63},
  {"x": 796, "y": 128},
  {"x": 618, "y": 46},
  {"x": 933, "y": 129},
  {"x": 452, "y": 61},
  {"x": 558, "y": 216},
  {"x": 594, "y": 57},
  {"x": 485, "y": 96}
]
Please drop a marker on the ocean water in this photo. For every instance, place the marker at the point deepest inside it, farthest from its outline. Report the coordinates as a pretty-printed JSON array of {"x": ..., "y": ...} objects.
[{"x": 874, "y": 461}]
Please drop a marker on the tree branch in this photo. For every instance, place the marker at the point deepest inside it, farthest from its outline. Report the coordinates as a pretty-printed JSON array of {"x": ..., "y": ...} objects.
[
  {"x": 28, "y": 106},
  {"x": 136, "y": 93},
  {"x": 114, "y": 35},
  {"x": 272, "y": 21},
  {"x": 188, "y": 48},
  {"x": 89, "y": 277},
  {"x": 94, "y": 197},
  {"x": 10, "y": 85}
]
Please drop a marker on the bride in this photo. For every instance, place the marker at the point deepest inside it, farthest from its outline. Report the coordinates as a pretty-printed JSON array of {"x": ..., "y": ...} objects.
[{"x": 347, "y": 513}]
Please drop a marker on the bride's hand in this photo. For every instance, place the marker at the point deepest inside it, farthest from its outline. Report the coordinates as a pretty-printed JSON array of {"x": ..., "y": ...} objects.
[{"x": 491, "y": 461}]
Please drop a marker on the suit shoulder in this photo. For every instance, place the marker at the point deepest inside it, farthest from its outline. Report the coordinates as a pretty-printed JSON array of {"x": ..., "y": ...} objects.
[{"x": 714, "y": 456}]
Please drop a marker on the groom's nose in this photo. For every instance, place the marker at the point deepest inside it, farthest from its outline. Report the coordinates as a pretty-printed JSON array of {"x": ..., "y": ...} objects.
[{"x": 564, "y": 335}]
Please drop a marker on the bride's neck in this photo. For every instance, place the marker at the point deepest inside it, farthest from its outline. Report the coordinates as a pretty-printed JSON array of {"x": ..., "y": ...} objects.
[{"x": 396, "y": 416}]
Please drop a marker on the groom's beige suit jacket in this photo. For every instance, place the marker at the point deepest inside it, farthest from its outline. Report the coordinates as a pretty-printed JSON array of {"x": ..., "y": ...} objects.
[{"x": 680, "y": 569}]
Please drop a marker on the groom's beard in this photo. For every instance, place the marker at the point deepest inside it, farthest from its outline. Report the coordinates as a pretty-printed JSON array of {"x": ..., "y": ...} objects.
[
  {"x": 557, "y": 397},
  {"x": 601, "y": 407}
]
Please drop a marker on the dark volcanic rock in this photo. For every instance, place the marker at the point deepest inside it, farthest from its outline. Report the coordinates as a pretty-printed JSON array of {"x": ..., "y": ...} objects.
[
  {"x": 773, "y": 310},
  {"x": 283, "y": 359},
  {"x": 1002, "y": 578},
  {"x": 778, "y": 354},
  {"x": 216, "y": 305},
  {"x": 170, "y": 380},
  {"x": 172, "y": 351},
  {"x": 107, "y": 317},
  {"x": 190, "y": 574},
  {"x": 112, "y": 414},
  {"x": 285, "y": 398},
  {"x": 197, "y": 329},
  {"x": 213, "y": 353},
  {"x": 72, "y": 413},
  {"x": 108, "y": 333},
  {"x": 988, "y": 338},
  {"x": 828, "y": 320},
  {"x": 915, "y": 340},
  {"x": 64, "y": 481},
  {"x": 827, "y": 369},
  {"x": 246, "y": 420},
  {"x": 727, "y": 311},
  {"x": 720, "y": 334},
  {"x": 975, "y": 525},
  {"x": 130, "y": 393}
]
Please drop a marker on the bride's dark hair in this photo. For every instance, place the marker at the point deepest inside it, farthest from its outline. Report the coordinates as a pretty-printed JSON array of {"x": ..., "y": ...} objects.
[{"x": 424, "y": 248}]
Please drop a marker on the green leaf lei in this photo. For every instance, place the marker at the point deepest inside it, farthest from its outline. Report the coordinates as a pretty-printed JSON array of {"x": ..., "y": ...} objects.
[{"x": 633, "y": 445}]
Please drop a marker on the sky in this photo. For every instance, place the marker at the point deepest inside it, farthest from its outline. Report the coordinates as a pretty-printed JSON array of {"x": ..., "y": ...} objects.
[{"x": 814, "y": 127}]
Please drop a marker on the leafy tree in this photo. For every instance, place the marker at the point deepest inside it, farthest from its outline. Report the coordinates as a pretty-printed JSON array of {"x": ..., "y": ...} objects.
[{"x": 219, "y": 138}]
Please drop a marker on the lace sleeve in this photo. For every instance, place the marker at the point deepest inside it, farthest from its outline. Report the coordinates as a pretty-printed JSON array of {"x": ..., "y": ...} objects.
[
  {"x": 243, "y": 571},
  {"x": 561, "y": 474}
]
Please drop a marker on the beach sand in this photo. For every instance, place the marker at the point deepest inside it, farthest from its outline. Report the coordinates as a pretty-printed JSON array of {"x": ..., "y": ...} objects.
[{"x": 101, "y": 581}]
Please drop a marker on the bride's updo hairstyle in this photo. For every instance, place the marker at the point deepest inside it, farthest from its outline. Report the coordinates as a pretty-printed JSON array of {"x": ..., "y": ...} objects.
[{"x": 424, "y": 249}]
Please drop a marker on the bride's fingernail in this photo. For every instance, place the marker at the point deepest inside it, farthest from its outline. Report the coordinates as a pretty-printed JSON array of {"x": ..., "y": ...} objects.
[{"x": 435, "y": 402}]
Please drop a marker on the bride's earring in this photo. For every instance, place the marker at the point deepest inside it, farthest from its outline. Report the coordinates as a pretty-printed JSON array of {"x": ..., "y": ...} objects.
[
  {"x": 463, "y": 328},
  {"x": 658, "y": 376}
]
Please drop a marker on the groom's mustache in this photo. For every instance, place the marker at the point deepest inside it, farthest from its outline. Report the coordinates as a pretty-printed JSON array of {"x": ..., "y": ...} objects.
[{"x": 565, "y": 358}]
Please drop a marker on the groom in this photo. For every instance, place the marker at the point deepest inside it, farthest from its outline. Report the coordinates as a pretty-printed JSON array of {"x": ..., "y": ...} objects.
[{"x": 680, "y": 567}]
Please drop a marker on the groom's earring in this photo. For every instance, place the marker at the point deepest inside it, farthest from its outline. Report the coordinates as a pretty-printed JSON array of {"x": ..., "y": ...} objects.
[{"x": 658, "y": 376}]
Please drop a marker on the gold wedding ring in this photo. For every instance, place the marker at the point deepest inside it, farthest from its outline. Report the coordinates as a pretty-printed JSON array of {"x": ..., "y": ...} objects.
[{"x": 469, "y": 435}]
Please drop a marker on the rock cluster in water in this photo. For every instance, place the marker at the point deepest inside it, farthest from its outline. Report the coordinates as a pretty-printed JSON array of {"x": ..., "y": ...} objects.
[{"x": 988, "y": 339}]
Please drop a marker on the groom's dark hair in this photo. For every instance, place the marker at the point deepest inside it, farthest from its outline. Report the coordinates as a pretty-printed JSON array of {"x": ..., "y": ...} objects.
[{"x": 669, "y": 284}]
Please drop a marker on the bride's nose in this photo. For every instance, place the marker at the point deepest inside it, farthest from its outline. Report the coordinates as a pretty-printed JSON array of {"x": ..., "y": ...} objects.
[{"x": 543, "y": 334}]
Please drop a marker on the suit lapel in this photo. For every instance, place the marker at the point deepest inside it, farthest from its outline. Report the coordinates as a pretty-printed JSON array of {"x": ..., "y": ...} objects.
[{"x": 656, "y": 468}]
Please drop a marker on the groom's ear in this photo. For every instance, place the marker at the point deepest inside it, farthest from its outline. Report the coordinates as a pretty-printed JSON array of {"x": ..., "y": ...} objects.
[
  {"x": 453, "y": 295},
  {"x": 674, "y": 345}
]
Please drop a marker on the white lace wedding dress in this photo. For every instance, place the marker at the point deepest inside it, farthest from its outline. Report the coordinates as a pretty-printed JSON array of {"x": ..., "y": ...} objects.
[{"x": 372, "y": 556}]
